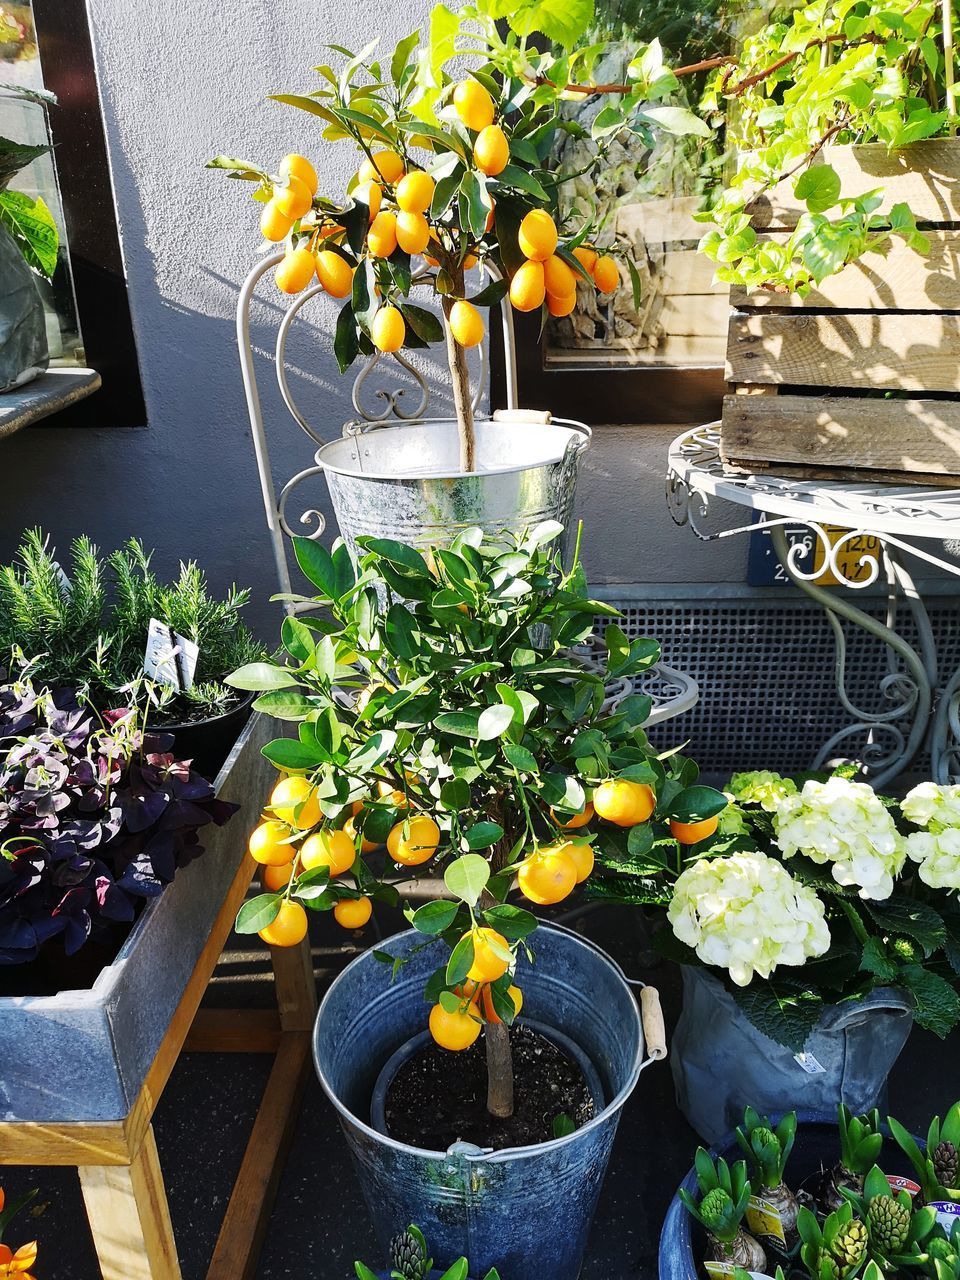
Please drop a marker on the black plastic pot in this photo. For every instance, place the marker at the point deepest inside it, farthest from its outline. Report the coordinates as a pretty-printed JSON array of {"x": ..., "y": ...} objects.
[{"x": 208, "y": 742}]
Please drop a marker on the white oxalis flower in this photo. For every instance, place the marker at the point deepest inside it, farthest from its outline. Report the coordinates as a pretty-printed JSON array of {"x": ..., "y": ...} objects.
[
  {"x": 847, "y": 825},
  {"x": 927, "y": 802},
  {"x": 747, "y": 914},
  {"x": 938, "y": 854}
]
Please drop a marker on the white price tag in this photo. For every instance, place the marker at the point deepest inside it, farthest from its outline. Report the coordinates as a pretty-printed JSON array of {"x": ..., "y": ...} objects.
[
  {"x": 170, "y": 658},
  {"x": 948, "y": 1213},
  {"x": 808, "y": 1063}
]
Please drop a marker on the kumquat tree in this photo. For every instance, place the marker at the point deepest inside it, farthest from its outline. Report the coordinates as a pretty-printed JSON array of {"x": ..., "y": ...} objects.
[
  {"x": 455, "y": 174},
  {"x": 444, "y": 713}
]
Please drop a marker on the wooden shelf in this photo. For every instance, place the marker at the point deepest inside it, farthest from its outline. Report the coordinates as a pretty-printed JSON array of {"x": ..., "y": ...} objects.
[{"x": 54, "y": 390}]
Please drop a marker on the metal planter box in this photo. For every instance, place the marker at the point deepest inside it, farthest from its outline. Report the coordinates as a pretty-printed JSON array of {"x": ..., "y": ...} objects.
[{"x": 82, "y": 1056}]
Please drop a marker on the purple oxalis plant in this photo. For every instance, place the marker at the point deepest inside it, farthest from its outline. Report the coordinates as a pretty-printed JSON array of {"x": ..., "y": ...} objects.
[{"x": 94, "y": 816}]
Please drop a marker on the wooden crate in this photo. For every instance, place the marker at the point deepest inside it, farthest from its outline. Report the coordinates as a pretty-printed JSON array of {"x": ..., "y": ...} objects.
[{"x": 812, "y": 376}]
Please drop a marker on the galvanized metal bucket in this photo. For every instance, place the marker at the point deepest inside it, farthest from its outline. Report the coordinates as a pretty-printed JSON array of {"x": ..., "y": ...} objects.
[
  {"x": 404, "y": 481},
  {"x": 723, "y": 1063},
  {"x": 485, "y": 1205}
]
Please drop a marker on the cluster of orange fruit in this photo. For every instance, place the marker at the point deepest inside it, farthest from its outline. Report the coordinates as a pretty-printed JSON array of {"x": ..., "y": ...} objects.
[
  {"x": 279, "y": 845},
  {"x": 459, "y": 1028},
  {"x": 383, "y": 180},
  {"x": 546, "y": 277}
]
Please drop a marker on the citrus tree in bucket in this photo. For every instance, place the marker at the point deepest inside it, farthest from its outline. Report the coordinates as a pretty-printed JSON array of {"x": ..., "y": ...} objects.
[
  {"x": 460, "y": 731},
  {"x": 454, "y": 173}
]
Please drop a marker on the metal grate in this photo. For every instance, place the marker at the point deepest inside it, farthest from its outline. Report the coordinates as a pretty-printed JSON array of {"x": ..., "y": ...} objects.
[{"x": 766, "y": 670}]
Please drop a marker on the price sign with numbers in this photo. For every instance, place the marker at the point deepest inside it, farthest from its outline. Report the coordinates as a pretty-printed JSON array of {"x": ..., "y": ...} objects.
[{"x": 765, "y": 570}]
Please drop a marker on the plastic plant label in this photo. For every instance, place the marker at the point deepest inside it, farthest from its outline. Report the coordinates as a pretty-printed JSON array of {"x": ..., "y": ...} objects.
[
  {"x": 66, "y": 586},
  {"x": 898, "y": 1183},
  {"x": 948, "y": 1213},
  {"x": 763, "y": 1219},
  {"x": 170, "y": 658},
  {"x": 721, "y": 1270},
  {"x": 808, "y": 1063}
]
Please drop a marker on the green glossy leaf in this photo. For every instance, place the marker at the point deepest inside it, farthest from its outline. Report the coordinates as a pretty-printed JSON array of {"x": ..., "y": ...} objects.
[
  {"x": 258, "y": 912},
  {"x": 513, "y": 922},
  {"x": 285, "y": 704},
  {"x": 346, "y": 344},
  {"x": 261, "y": 675},
  {"x": 483, "y": 834},
  {"x": 696, "y": 803},
  {"x": 462, "y": 724},
  {"x": 288, "y": 753},
  {"x": 466, "y": 877},
  {"x": 455, "y": 795},
  {"x": 818, "y": 187},
  {"x": 494, "y": 721},
  {"x": 460, "y": 962},
  {"x": 31, "y": 224},
  {"x": 435, "y": 917}
]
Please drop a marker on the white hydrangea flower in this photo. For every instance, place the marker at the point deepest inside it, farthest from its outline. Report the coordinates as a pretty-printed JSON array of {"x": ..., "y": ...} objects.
[
  {"x": 847, "y": 825},
  {"x": 747, "y": 914},
  {"x": 938, "y": 854},
  {"x": 927, "y": 802},
  {"x": 761, "y": 787}
]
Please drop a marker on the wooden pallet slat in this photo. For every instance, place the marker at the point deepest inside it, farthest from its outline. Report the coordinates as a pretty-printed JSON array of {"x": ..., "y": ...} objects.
[
  {"x": 876, "y": 351},
  {"x": 898, "y": 279},
  {"x": 923, "y": 176},
  {"x": 920, "y": 438}
]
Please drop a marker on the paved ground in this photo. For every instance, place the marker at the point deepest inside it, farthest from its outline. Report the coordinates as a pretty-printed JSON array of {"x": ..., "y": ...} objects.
[{"x": 320, "y": 1224}]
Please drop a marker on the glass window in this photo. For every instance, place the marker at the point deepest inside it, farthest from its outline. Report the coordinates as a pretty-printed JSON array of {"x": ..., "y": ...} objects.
[
  {"x": 647, "y": 198},
  {"x": 25, "y": 121}
]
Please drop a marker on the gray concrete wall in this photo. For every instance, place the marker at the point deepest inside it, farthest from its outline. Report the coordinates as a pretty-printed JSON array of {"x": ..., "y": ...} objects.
[{"x": 180, "y": 83}]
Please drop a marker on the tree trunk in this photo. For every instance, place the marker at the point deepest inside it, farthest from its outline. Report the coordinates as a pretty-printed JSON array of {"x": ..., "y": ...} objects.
[
  {"x": 460, "y": 380},
  {"x": 497, "y": 1034},
  {"x": 499, "y": 1070}
]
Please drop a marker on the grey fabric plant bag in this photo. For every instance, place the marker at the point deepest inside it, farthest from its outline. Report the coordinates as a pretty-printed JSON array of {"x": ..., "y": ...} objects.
[
  {"x": 23, "y": 334},
  {"x": 721, "y": 1063}
]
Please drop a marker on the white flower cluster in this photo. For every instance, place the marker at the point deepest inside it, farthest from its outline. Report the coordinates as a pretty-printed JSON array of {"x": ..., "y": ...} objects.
[
  {"x": 939, "y": 856},
  {"x": 927, "y": 802},
  {"x": 847, "y": 825},
  {"x": 937, "y": 850},
  {"x": 761, "y": 787},
  {"x": 747, "y": 914}
]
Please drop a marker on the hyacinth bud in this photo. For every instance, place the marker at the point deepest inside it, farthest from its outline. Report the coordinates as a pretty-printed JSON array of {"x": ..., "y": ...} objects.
[{"x": 715, "y": 1207}]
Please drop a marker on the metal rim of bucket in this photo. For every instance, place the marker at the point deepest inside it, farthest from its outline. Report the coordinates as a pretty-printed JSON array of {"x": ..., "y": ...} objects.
[
  {"x": 616, "y": 1103},
  {"x": 370, "y": 431}
]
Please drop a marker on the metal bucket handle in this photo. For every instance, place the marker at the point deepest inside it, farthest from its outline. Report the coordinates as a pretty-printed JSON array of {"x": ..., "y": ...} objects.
[{"x": 651, "y": 1011}]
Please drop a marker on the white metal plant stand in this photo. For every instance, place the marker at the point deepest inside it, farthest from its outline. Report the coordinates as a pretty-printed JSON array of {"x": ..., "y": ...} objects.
[
  {"x": 671, "y": 692},
  {"x": 885, "y": 523}
]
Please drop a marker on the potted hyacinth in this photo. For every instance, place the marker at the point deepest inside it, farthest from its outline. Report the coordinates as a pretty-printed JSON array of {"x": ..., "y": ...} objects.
[
  {"x": 884, "y": 1224},
  {"x": 461, "y": 732},
  {"x": 814, "y": 926},
  {"x": 455, "y": 173}
]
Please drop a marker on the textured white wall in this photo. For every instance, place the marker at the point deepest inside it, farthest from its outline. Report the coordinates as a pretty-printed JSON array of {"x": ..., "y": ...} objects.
[{"x": 180, "y": 83}]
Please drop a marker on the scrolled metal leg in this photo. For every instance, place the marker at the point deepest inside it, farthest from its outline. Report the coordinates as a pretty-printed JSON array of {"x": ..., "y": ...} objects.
[
  {"x": 945, "y": 734},
  {"x": 893, "y": 736}
]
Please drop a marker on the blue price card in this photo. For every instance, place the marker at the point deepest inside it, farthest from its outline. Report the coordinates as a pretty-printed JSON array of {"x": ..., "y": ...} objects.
[{"x": 763, "y": 567}]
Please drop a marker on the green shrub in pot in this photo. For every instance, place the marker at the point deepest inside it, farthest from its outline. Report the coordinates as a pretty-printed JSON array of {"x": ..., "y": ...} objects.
[{"x": 84, "y": 625}]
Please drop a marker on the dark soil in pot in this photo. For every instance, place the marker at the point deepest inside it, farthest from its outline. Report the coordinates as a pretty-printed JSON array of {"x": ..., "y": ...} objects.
[
  {"x": 53, "y": 970},
  {"x": 207, "y": 742},
  {"x": 438, "y": 1098}
]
